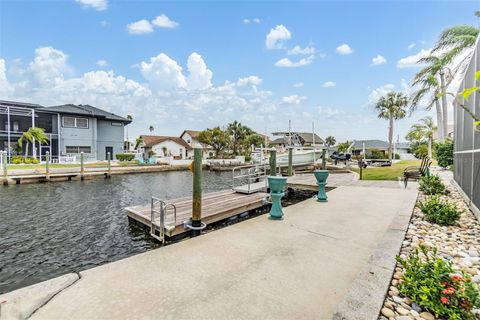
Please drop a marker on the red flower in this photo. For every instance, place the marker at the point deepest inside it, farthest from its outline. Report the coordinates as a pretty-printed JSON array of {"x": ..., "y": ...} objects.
[
  {"x": 444, "y": 283},
  {"x": 448, "y": 291},
  {"x": 444, "y": 300},
  {"x": 457, "y": 277}
]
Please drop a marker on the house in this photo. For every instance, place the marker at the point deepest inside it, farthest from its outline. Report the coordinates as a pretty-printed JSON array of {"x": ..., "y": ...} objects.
[
  {"x": 400, "y": 148},
  {"x": 305, "y": 139},
  {"x": 71, "y": 129},
  {"x": 165, "y": 146},
  {"x": 191, "y": 138}
]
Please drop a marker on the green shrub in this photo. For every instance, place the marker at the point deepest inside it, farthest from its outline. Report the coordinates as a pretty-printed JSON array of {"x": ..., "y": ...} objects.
[
  {"x": 420, "y": 150},
  {"x": 125, "y": 156},
  {"x": 432, "y": 185},
  {"x": 17, "y": 160},
  {"x": 439, "y": 211},
  {"x": 34, "y": 161},
  {"x": 444, "y": 153},
  {"x": 433, "y": 284}
]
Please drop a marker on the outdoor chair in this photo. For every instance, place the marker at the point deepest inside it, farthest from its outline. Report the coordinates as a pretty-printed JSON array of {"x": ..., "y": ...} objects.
[{"x": 415, "y": 172}]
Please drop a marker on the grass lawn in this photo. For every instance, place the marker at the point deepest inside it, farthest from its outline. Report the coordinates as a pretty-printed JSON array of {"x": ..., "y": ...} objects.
[{"x": 387, "y": 173}]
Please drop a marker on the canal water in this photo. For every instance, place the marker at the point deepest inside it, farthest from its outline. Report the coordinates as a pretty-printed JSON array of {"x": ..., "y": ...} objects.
[{"x": 47, "y": 230}]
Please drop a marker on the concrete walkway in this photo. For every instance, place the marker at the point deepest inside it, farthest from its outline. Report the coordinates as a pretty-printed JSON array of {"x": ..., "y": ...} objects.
[{"x": 311, "y": 265}]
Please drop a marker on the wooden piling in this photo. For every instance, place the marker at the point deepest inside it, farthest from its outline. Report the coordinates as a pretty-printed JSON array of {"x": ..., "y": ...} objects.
[
  {"x": 5, "y": 172},
  {"x": 197, "y": 190},
  {"x": 47, "y": 165},
  {"x": 324, "y": 159},
  {"x": 109, "y": 173},
  {"x": 273, "y": 162},
  {"x": 290, "y": 161},
  {"x": 82, "y": 169}
]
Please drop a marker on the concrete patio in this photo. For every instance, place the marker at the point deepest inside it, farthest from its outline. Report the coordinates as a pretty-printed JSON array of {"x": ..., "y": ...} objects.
[{"x": 323, "y": 261}]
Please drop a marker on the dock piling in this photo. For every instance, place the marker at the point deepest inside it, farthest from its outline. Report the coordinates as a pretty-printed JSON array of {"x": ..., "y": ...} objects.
[
  {"x": 290, "y": 161},
  {"x": 324, "y": 159},
  {"x": 109, "y": 166},
  {"x": 47, "y": 165},
  {"x": 5, "y": 173},
  {"x": 197, "y": 191},
  {"x": 82, "y": 169},
  {"x": 273, "y": 162}
]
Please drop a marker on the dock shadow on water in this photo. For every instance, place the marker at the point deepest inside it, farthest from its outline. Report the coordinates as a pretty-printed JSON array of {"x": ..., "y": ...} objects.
[{"x": 47, "y": 230}]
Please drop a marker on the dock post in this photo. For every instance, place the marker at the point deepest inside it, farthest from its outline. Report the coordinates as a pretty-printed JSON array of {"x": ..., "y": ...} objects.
[
  {"x": 109, "y": 166},
  {"x": 5, "y": 173},
  {"x": 82, "y": 169},
  {"x": 324, "y": 159},
  {"x": 273, "y": 162},
  {"x": 47, "y": 165},
  {"x": 197, "y": 191},
  {"x": 290, "y": 161}
]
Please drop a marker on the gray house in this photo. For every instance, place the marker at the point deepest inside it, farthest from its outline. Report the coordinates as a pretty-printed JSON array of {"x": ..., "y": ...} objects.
[{"x": 71, "y": 129}]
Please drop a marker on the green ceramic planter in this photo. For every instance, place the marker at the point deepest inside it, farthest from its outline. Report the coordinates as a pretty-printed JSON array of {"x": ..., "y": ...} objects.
[
  {"x": 276, "y": 185},
  {"x": 321, "y": 176}
]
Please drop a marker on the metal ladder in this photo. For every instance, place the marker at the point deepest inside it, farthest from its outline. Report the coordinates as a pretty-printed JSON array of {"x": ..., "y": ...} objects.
[{"x": 159, "y": 207}]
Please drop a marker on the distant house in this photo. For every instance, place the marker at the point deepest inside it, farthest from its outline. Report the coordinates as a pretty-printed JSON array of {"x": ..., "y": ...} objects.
[
  {"x": 191, "y": 138},
  {"x": 401, "y": 148},
  {"x": 165, "y": 146},
  {"x": 71, "y": 129},
  {"x": 306, "y": 139}
]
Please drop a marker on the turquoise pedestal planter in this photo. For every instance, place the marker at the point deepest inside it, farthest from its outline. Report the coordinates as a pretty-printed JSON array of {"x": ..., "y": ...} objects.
[
  {"x": 321, "y": 176},
  {"x": 276, "y": 185}
]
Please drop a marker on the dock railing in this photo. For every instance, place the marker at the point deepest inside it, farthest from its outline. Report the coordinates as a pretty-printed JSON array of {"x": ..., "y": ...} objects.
[
  {"x": 159, "y": 207},
  {"x": 249, "y": 178}
]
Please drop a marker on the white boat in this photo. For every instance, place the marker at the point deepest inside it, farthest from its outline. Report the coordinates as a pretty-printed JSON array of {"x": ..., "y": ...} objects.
[{"x": 300, "y": 157}]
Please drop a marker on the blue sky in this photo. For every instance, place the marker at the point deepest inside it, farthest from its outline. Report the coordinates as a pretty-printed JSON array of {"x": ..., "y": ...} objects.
[{"x": 202, "y": 64}]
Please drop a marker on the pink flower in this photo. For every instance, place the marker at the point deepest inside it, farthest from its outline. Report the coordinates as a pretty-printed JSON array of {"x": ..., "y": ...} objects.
[
  {"x": 457, "y": 277},
  {"x": 448, "y": 291},
  {"x": 444, "y": 300}
]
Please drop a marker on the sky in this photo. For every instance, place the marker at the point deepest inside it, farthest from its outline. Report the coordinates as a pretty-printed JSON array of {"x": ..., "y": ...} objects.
[{"x": 180, "y": 65}]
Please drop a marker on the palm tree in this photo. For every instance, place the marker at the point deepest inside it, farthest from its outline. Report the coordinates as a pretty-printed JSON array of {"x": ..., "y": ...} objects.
[
  {"x": 238, "y": 133},
  {"x": 330, "y": 141},
  {"x": 151, "y": 128},
  {"x": 391, "y": 107},
  {"x": 456, "y": 39},
  {"x": 32, "y": 135},
  {"x": 129, "y": 118},
  {"x": 428, "y": 85},
  {"x": 437, "y": 67},
  {"x": 423, "y": 130}
]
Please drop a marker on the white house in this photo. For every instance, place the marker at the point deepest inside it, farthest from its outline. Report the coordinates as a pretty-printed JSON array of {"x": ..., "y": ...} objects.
[
  {"x": 165, "y": 146},
  {"x": 191, "y": 138}
]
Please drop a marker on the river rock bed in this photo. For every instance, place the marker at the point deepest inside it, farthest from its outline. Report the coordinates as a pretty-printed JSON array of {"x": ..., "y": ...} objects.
[{"x": 459, "y": 244}]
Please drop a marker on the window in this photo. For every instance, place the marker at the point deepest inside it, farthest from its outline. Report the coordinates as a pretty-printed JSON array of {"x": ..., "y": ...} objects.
[
  {"x": 116, "y": 124},
  {"x": 73, "y": 122},
  {"x": 16, "y": 126},
  {"x": 78, "y": 149}
]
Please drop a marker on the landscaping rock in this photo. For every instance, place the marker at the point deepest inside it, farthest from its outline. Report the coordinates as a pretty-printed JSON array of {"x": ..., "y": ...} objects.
[{"x": 388, "y": 313}]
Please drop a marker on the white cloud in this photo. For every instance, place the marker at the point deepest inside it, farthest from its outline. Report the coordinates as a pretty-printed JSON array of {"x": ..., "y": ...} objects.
[
  {"x": 297, "y": 50},
  {"x": 95, "y": 4},
  {"x": 293, "y": 99},
  {"x": 411, "y": 46},
  {"x": 412, "y": 61},
  {"x": 254, "y": 20},
  {"x": 48, "y": 66},
  {"x": 378, "y": 60},
  {"x": 328, "y": 112},
  {"x": 379, "y": 92},
  {"x": 163, "y": 21},
  {"x": 329, "y": 84},
  {"x": 163, "y": 72},
  {"x": 104, "y": 23},
  {"x": 102, "y": 63},
  {"x": 287, "y": 63},
  {"x": 199, "y": 75},
  {"x": 344, "y": 49},
  {"x": 276, "y": 37},
  {"x": 250, "y": 80},
  {"x": 140, "y": 27},
  {"x": 5, "y": 88},
  {"x": 298, "y": 85}
]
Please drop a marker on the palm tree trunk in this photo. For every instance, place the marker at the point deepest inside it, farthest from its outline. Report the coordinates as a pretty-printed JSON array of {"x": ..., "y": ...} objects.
[
  {"x": 390, "y": 138},
  {"x": 26, "y": 150},
  {"x": 430, "y": 148},
  {"x": 440, "y": 134},
  {"x": 444, "y": 105}
]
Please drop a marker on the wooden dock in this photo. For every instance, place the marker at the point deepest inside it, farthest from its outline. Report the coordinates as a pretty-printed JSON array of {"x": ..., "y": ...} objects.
[{"x": 216, "y": 206}]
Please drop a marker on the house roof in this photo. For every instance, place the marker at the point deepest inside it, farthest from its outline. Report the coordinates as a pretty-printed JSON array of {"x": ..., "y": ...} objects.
[
  {"x": 150, "y": 141},
  {"x": 86, "y": 110},
  {"x": 192, "y": 133},
  {"x": 378, "y": 144},
  {"x": 20, "y": 104}
]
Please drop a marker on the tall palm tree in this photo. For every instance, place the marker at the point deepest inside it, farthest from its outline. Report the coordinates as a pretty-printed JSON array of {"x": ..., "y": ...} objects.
[
  {"x": 437, "y": 67},
  {"x": 151, "y": 128},
  {"x": 129, "y": 118},
  {"x": 429, "y": 85},
  {"x": 391, "y": 107},
  {"x": 330, "y": 141},
  {"x": 423, "y": 130},
  {"x": 32, "y": 135},
  {"x": 238, "y": 133},
  {"x": 456, "y": 39}
]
